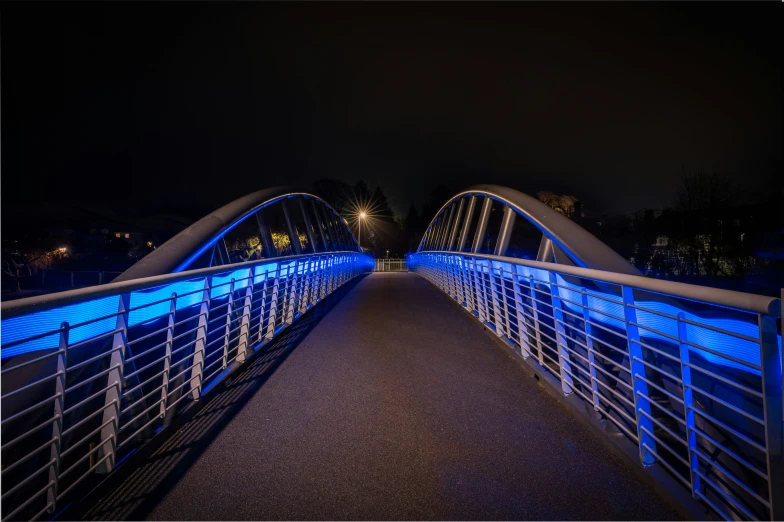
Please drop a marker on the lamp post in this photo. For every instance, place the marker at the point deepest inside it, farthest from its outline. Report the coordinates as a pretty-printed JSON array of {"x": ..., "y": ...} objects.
[{"x": 359, "y": 224}]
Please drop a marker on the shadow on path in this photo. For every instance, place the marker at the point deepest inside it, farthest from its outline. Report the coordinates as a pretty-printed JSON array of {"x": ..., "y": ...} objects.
[{"x": 132, "y": 496}]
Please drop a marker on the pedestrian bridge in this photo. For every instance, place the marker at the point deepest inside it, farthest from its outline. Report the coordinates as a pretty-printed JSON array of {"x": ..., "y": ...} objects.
[{"x": 254, "y": 367}]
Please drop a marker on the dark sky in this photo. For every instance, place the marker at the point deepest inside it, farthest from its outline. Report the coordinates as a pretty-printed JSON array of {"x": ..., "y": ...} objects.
[{"x": 174, "y": 104}]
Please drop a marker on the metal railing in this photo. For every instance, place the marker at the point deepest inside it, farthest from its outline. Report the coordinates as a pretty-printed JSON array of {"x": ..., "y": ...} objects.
[
  {"x": 391, "y": 265},
  {"x": 88, "y": 374},
  {"x": 690, "y": 375}
]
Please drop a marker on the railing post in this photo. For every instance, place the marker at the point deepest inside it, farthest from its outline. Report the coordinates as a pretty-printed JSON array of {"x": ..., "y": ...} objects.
[
  {"x": 479, "y": 274},
  {"x": 535, "y": 313},
  {"x": 243, "y": 348},
  {"x": 322, "y": 267},
  {"x": 771, "y": 360},
  {"x": 226, "y": 335},
  {"x": 491, "y": 277},
  {"x": 273, "y": 313},
  {"x": 461, "y": 279},
  {"x": 57, "y": 424},
  {"x": 564, "y": 362},
  {"x": 263, "y": 307},
  {"x": 688, "y": 411},
  {"x": 642, "y": 408},
  {"x": 589, "y": 343},
  {"x": 114, "y": 380},
  {"x": 199, "y": 347},
  {"x": 304, "y": 298},
  {"x": 291, "y": 294},
  {"x": 522, "y": 324},
  {"x": 469, "y": 301},
  {"x": 167, "y": 354}
]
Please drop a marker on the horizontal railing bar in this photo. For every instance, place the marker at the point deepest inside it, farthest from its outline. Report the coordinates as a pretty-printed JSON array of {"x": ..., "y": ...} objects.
[
  {"x": 653, "y": 330},
  {"x": 136, "y": 372},
  {"x": 95, "y": 358},
  {"x": 736, "y": 480},
  {"x": 609, "y": 403},
  {"x": 22, "y": 460},
  {"x": 723, "y": 494},
  {"x": 725, "y": 298},
  {"x": 658, "y": 369},
  {"x": 89, "y": 417},
  {"x": 91, "y": 397},
  {"x": 127, "y": 392},
  {"x": 608, "y": 330},
  {"x": 664, "y": 463},
  {"x": 664, "y": 410},
  {"x": 628, "y": 402},
  {"x": 723, "y": 425},
  {"x": 740, "y": 460},
  {"x": 141, "y": 399},
  {"x": 30, "y": 477},
  {"x": 727, "y": 405},
  {"x": 657, "y": 350},
  {"x": 32, "y": 384},
  {"x": 657, "y": 387},
  {"x": 661, "y": 442},
  {"x": 148, "y": 351},
  {"x": 144, "y": 412},
  {"x": 724, "y": 355},
  {"x": 28, "y": 432},
  {"x": 31, "y": 408},
  {"x": 31, "y": 361},
  {"x": 606, "y": 344},
  {"x": 724, "y": 380},
  {"x": 85, "y": 456},
  {"x": 144, "y": 337},
  {"x": 80, "y": 479},
  {"x": 754, "y": 340},
  {"x": 87, "y": 437},
  {"x": 144, "y": 427},
  {"x": 18, "y": 307},
  {"x": 12, "y": 514},
  {"x": 92, "y": 378}
]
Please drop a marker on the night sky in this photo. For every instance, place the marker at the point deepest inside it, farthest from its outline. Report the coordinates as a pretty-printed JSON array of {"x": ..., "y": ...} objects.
[{"x": 179, "y": 105}]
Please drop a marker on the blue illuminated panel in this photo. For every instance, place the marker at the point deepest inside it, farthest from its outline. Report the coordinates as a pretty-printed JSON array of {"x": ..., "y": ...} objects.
[{"x": 18, "y": 328}]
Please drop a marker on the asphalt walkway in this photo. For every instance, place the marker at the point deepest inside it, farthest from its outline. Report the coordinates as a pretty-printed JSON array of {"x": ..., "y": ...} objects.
[{"x": 388, "y": 402}]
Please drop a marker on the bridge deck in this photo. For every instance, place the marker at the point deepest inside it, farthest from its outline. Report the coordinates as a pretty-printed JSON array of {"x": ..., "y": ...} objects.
[{"x": 395, "y": 406}]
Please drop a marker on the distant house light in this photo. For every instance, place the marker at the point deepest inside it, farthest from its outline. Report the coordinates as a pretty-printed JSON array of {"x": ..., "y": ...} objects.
[
  {"x": 127, "y": 235},
  {"x": 117, "y": 234}
]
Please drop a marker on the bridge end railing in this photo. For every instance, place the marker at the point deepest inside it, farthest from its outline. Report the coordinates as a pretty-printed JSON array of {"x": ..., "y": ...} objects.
[
  {"x": 88, "y": 375},
  {"x": 690, "y": 376}
]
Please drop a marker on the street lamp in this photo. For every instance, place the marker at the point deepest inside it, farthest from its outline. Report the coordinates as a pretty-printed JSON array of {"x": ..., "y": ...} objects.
[{"x": 362, "y": 216}]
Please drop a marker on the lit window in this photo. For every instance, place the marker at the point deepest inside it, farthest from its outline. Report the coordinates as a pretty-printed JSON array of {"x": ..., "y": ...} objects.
[
  {"x": 127, "y": 235},
  {"x": 117, "y": 234}
]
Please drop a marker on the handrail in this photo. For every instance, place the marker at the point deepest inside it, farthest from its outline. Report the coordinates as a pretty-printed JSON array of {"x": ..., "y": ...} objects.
[
  {"x": 28, "y": 305},
  {"x": 755, "y": 303}
]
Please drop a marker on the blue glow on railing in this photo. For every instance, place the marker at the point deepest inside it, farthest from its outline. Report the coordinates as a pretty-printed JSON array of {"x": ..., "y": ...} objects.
[
  {"x": 260, "y": 271},
  {"x": 221, "y": 284},
  {"x": 44, "y": 321},
  {"x": 187, "y": 295},
  {"x": 651, "y": 323}
]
